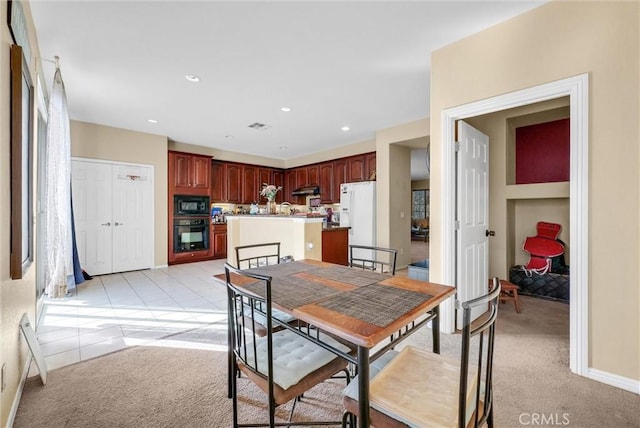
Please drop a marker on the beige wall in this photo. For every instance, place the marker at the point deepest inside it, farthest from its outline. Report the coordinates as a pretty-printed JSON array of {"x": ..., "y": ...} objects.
[
  {"x": 114, "y": 144},
  {"x": 554, "y": 41},
  {"x": 16, "y": 296},
  {"x": 393, "y": 161}
]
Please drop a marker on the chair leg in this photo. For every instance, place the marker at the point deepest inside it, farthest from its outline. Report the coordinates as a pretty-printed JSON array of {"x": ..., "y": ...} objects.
[
  {"x": 516, "y": 300},
  {"x": 490, "y": 418}
]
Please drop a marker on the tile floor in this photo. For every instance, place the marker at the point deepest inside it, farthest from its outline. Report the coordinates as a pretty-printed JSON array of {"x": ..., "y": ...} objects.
[{"x": 112, "y": 312}]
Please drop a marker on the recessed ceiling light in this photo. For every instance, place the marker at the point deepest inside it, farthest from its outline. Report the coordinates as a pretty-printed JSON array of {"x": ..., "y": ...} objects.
[
  {"x": 192, "y": 78},
  {"x": 152, "y": 121},
  {"x": 283, "y": 147},
  {"x": 286, "y": 109},
  {"x": 345, "y": 128},
  {"x": 228, "y": 137}
]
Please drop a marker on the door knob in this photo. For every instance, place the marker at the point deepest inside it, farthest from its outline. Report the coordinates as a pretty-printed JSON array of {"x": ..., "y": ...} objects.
[
  {"x": 118, "y": 224},
  {"x": 106, "y": 224},
  {"x": 486, "y": 232}
]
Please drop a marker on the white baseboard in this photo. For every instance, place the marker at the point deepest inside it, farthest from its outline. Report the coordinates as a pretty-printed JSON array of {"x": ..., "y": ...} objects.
[
  {"x": 631, "y": 385},
  {"x": 18, "y": 396},
  {"x": 160, "y": 266}
]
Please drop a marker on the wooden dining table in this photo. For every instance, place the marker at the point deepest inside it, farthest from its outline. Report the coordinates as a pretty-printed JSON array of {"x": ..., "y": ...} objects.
[{"x": 360, "y": 307}]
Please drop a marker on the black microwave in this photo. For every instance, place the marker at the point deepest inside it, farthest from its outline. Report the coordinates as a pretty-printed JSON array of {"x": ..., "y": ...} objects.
[{"x": 190, "y": 205}]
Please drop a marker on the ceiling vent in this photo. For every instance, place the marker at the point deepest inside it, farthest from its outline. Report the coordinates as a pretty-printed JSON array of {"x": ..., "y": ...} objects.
[{"x": 259, "y": 126}]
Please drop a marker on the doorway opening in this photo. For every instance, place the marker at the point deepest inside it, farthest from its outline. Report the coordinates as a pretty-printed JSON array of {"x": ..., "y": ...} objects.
[{"x": 576, "y": 89}]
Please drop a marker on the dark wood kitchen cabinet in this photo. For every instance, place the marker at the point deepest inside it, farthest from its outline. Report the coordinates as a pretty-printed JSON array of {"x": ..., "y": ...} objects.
[
  {"x": 326, "y": 182},
  {"x": 189, "y": 173},
  {"x": 265, "y": 176},
  {"x": 278, "y": 181},
  {"x": 313, "y": 175},
  {"x": 370, "y": 165},
  {"x": 250, "y": 192},
  {"x": 218, "y": 182},
  {"x": 234, "y": 183},
  {"x": 219, "y": 240},
  {"x": 339, "y": 177},
  {"x": 335, "y": 245},
  {"x": 356, "y": 170},
  {"x": 226, "y": 182}
]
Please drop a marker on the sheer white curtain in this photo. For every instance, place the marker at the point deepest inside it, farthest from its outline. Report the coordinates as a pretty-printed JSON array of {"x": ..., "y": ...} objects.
[{"x": 58, "y": 240}]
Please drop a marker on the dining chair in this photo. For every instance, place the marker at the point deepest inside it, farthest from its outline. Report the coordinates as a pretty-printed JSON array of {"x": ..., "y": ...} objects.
[
  {"x": 283, "y": 364},
  {"x": 415, "y": 387},
  {"x": 378, "y": 259},
  {"x": 257, "y": 255}
]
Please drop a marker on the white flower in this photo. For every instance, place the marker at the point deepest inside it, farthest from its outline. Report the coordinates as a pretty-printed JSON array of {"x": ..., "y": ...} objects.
[{"x": 269, "y": 191}]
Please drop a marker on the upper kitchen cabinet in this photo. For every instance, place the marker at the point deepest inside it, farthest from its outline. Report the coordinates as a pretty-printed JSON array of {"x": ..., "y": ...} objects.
[
  {"x": 313, "y": 175},
  {"x": 189, "y": 173},
  {"x": 234, "y": 183},
  {"x": 356, "y": 169},
  {"x": 218, "y": 182},
  {"x": 339, "y": 177},
  {"x": 278, "y": 181},
  {"x": 226, "y": 182},
  {"x": 361, "y": 167},
  {"x": 370, "y": 165},
  {"x": 326, "y": 183},
  {"x": 265, "y": 176},
  {"x": 250, "y": 192}
]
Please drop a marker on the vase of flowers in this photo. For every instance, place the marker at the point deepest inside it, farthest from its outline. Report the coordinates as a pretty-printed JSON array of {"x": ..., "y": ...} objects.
[{"x": 269, "y": 191}]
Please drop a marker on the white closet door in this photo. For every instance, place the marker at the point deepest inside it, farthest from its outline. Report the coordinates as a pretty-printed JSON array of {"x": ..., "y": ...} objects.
[
  {"x": 113, "y": 209},
  {"x": 92, "y": 195},
  {"x": 132, "y": 218}
]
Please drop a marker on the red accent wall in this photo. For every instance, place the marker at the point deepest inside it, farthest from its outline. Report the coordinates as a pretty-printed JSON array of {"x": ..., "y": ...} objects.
[{"x": 542, "y": 152}]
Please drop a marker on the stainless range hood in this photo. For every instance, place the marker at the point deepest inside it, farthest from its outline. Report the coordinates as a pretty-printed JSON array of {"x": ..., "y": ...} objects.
[{"x": 306, "y": 190}]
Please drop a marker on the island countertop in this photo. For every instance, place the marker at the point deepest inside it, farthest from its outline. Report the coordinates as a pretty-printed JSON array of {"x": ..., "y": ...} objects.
[{"x": 311, "y": 218}]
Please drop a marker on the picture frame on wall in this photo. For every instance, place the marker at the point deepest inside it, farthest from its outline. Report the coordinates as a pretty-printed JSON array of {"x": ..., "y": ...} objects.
[
  {"x": 22, "y": 98},
  {"x": 18, "y": 26}
]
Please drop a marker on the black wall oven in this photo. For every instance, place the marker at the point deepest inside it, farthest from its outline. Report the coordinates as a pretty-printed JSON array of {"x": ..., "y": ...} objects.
[
  {"x": 190, "y": 206},
  {"x": 190, "y": 234}
]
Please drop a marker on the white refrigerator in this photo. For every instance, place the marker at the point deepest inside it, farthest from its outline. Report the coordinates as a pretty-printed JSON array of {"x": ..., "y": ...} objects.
[{"x": 358, "y": 211}]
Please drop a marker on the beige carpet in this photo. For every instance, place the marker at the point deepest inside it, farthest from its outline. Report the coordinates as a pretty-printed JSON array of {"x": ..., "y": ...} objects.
[{"x": 172, "y": 387}]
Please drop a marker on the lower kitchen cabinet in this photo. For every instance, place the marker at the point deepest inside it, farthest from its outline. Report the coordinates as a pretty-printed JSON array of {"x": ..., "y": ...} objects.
[
  {"x": 186, "y": 257},
  {"x": 219, "y": 240},
  {"x": 335, "y": 245}
]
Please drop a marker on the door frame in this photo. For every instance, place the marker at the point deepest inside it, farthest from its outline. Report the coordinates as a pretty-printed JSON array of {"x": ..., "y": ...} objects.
[{"x": 577, "y": 88}]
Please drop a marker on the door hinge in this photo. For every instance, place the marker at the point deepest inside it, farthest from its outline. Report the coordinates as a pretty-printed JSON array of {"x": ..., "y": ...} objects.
[
  {"x": 456, "y": 225},
  {"x": 456, "y": 146}
]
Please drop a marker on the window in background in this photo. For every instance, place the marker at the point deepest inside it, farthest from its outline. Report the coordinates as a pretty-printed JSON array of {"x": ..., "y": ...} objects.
[{"x": 420, "y": 204}]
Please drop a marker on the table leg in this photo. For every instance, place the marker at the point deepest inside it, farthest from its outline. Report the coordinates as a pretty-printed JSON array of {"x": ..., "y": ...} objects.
[
  {"x": 363, "y": 386},
  {"x": 435, "y": 329}
]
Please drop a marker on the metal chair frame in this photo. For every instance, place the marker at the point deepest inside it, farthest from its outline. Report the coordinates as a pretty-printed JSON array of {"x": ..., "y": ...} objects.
[
  {"x": 485, "y": 326},
  {"x": 374, "y": 264},
  {"x": 253, "y": 261},
  {"x": 242, "y": 334}
]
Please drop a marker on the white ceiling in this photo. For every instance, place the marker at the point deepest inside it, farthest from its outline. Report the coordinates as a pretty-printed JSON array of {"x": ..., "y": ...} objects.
[{"x": 360, "y": 64}]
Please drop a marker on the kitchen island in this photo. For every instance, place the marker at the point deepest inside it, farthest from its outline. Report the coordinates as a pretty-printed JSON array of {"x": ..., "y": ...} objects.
[{"x": 300, "y": 236}]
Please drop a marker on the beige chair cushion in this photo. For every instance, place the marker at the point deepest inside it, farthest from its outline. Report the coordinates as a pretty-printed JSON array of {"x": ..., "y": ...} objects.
[{"x": 420, "y": 388}]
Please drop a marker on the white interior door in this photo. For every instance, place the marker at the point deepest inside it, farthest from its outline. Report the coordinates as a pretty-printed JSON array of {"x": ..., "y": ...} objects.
[
  {"x": 472, "y": 258},
  {"x": 92, "y": 195},
  {"x": 132, "y": 218}
]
